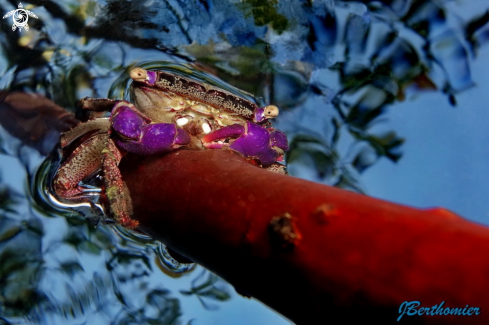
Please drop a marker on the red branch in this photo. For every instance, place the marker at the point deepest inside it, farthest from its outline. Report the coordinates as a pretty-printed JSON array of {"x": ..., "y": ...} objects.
[{"x": 311, "y": 252}]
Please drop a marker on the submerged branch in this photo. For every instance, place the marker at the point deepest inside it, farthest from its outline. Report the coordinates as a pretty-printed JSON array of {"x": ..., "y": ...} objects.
[{"x": 307, "y": 250}]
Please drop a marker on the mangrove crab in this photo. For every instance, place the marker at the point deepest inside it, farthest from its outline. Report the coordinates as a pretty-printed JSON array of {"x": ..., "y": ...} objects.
[
  {"x": 168, "y": 111},
  {"x": 224, "y": 120}
]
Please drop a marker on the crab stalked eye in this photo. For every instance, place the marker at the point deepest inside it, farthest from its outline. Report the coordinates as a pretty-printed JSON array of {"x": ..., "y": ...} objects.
[
  {"x": 270, "y": 111},
  {"x": 139, "y": 74}
]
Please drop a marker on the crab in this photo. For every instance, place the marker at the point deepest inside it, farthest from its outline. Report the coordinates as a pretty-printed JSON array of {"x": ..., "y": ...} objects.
[
  {"x": 237, "y": 124},
  {"x": 167, "y": 112}
]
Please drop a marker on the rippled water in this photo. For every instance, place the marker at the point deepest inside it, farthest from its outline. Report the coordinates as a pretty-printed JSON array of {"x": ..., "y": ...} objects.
[{"x": 385, "y": 98}]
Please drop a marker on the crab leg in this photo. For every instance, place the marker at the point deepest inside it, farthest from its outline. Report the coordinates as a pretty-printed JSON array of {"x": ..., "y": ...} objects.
[
  {"x": 100, "y": 125},
  {"x": 96, "y": 104},
  {"x": 279, "y": 140},
  {"x": 115, "y": 188},
  {"x": 84, "y": 161}
]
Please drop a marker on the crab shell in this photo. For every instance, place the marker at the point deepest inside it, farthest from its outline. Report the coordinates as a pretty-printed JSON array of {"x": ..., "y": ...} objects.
[{"x": 212, "y": 100}]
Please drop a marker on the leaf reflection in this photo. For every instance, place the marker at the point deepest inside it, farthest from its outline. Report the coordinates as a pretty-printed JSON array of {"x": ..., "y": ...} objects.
[{"x": 207, "y": 288}]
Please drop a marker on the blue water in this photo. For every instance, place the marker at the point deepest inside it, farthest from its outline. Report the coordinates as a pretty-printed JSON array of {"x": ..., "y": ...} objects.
[{"x": 445, "y": 157}]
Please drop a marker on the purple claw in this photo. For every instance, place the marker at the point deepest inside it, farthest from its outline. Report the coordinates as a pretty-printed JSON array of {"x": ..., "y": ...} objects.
[
  {"x": 182, "y": 138},
  {"x": 142, "y": 138},
  {"x": 256, "y": 144},
  {"x": 156, "y": 138},
  {"x": 254, "y": 141},
  {"x": 127, "y": 122}
]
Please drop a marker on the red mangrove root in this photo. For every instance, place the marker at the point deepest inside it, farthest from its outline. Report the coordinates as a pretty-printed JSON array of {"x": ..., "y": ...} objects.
[{"x": 311, "y": 252}]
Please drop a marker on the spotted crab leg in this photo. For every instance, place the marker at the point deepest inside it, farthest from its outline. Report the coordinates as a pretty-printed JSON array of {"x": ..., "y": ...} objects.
[
  {"x": 84, "y": 161},
  {"x": 93, "y": 108},
  {"x": 116, "y": 190},
  {"x": 100, "y": 125}
]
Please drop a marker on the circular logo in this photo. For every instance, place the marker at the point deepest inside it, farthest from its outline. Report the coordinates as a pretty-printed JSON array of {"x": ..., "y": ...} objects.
[{"x": 20, "y": 18}]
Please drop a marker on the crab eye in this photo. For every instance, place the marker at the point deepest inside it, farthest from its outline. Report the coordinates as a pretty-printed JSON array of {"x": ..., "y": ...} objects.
[
  {"x": 138, "y": 74},
  {"x": 271, "y": 111}
]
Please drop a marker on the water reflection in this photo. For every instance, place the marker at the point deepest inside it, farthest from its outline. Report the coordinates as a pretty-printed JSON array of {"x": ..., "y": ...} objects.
[
  {"x": 169, "y": 262},
  {"x": 334, "y": 66}
]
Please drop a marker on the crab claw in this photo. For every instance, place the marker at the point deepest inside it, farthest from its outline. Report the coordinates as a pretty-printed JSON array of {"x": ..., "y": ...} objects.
[
  {"x": 252, "y": 141},
  {"x": 216, "y": 139},
  {"x": 138, "y": 136},
  {"x": 126, "y": 121},
  {"x": 156, "y": 138}
]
